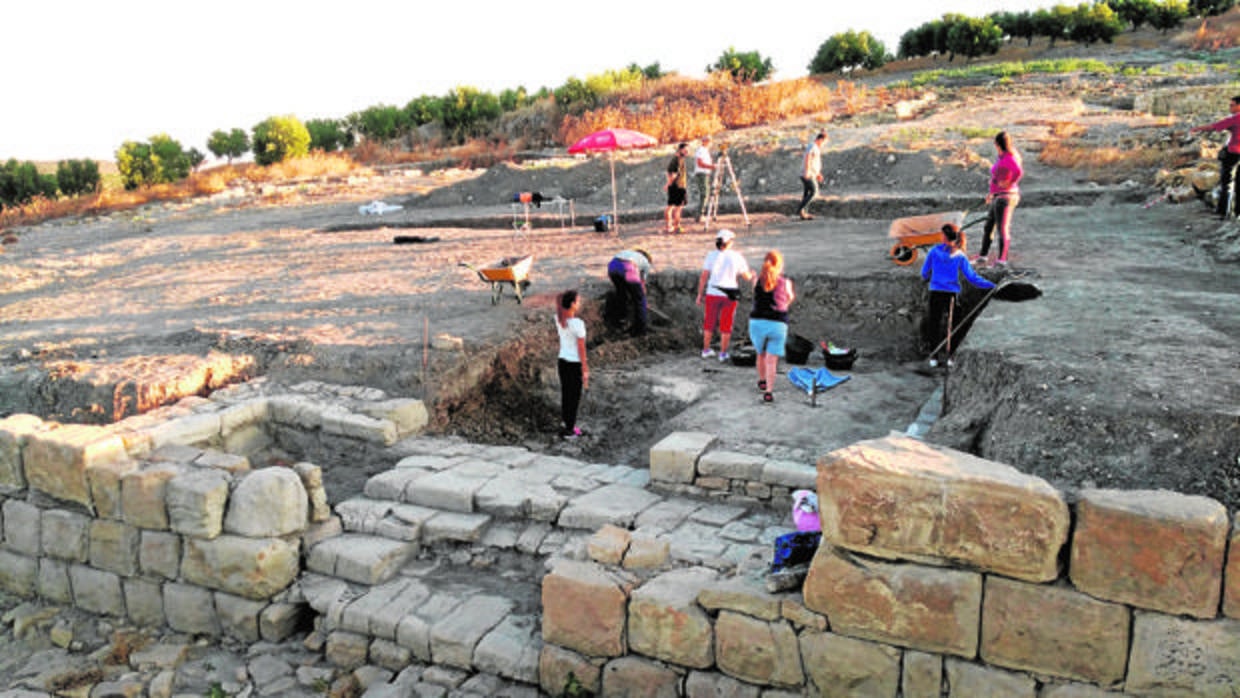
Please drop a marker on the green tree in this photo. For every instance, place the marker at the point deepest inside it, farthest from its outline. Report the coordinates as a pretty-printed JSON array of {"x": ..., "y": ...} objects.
[
  {"x": 1053, "y": 23},
  {"x": 847, "y": 51},
  {"x": 195, "y": 157},
  {"x": 1093, "y": 23},
  {"x": 972, "y": 37},
  {"x": 424, "y": 110},
  {"x": 1017, "y": 25},
  {"x": 745, "y": 67},
  {"x": 382, "y": 122},
  {"x": 20, "y": 182},
  {"x": 75, "y": 177},
  {"x": 1209, "y": 8},
  {"x": 279, "y": 138},
  {"x": 1133, "y": 12},
  {"x": 328, "y": 135},
  {"x": 172, "y": 163},
  {"x": 467, "y": 111},
  {"x": 229, "y": 144},
  {"x": 134, "y": 162},
  {"x": 917, "y": 42},
  {"x": 1168, "y": 14},
  {"x": 650, "y": 72},
  {"x": 513, "y": 99}
]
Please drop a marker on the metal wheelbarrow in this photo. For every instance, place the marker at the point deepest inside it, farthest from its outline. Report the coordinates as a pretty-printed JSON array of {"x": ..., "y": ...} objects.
[
  {"x": 914, "y": 233},
  {"x": 511, "y": 271}
]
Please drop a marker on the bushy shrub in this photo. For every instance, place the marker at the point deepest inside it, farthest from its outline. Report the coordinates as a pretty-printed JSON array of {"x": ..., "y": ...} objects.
[
  {"x": 1168, "y": 14},
  {"x": 424, "y": 110},
  {"x": 467, "y": 111},
  {"x": 172, "y": 163},
  {"x": 745, "y": 67},
  {"x": 279, "y": 138},
  {"x": 1053, "y": 23},
  {"x": 21, "y": 181},
  {"x": 1093, "y": 23},
  {"x": 328, "y": 135},
  {"x": 75, "y": 177},
  {"x": 382, "y": 122},
  {"x": 133, "y": 160},
  {"x": 229, "y": 144},
  {"x": 1133, "y": 12},
  {"x": 1017, "y": 25},
  {"x": 1209, "y": 8},
  {"x": 849, "y": 50},
  {"x": 972, "y": 36},
  {"x": 576, "y": 96}
]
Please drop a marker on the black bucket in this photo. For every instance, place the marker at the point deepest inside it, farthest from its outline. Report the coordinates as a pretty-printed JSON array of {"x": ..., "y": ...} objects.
[{"x": 797, "y": 349}]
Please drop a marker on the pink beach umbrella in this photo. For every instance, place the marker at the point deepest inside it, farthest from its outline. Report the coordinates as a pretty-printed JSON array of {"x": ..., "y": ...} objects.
[{"x": 609, "y": 140}]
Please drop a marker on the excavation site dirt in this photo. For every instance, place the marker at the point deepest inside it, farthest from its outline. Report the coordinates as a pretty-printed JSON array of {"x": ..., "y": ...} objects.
[{"x": 1122, "y": 374}]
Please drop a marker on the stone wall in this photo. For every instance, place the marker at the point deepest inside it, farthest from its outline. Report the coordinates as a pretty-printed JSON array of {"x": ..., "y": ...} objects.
[
  {"x": 939, "y": 574},
  {"x": 687, "y": 463},
  {"x": 160, "y": 518}
]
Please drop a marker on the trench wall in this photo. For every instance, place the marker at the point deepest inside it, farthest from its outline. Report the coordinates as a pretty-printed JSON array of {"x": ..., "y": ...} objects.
[
  {"x": 939, "y": 574},
  {"x": 162, "y": 519}
]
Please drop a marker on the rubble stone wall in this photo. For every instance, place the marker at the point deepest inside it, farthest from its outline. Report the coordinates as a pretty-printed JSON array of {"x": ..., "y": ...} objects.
[{"x": 939, "y": 573}]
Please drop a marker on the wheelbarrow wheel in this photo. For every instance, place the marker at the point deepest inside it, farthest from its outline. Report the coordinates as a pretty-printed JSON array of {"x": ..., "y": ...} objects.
[
  {"x": 497, "y": 290},
  {"x": 903, "y": 255}
]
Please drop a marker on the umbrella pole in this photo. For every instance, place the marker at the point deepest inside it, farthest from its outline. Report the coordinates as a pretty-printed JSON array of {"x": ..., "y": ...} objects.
[{"x": 615, "y": 220}]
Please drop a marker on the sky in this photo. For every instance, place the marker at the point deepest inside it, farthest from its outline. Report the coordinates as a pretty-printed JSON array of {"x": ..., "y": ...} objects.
[{"x": 84, "y": 76}]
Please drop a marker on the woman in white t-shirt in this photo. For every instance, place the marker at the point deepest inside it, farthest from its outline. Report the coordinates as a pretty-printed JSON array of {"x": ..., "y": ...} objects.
[
  {"x": 573, "y": 370},
  {"x": 719, "y": 290}
]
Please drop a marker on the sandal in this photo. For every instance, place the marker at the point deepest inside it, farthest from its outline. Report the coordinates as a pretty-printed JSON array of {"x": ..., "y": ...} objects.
[
  {"x": 768, "y": 397},
  {"x": 762, "y": 386}
]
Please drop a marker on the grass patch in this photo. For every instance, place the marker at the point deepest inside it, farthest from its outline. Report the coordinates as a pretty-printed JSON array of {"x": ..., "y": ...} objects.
[{"x": 1011, "y": 69}]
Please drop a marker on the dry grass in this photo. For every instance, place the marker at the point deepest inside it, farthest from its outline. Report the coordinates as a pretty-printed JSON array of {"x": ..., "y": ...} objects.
[
  {"x": 1104, "y": 163},
  {"x": 1216, "y": 33}
]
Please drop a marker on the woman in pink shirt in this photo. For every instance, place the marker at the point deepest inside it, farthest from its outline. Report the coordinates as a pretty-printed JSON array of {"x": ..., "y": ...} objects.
[
  {"x": 1228, "y": 157},
  {"x": 1003, "y": 196}
]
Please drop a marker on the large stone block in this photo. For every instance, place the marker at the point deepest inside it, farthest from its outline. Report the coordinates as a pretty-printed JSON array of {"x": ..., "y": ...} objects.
[
  {"x": 268, "y": 502},
  {"x": 144, "y": 501},
  {"x": 56, "y": 460},
  {"x": 144, "y": 601},
  {"x": 22, "y": 527},
  {"x": 238, "y": 617},
  {"x": 104, "y": 480},
  {"x": 843, "y": 666},
  {"x": 900, "y": 498},
  {"x": 14, "y": 431},
  {"x": 511, "y": 650},
  {"x": 712, "y": 684},
  {"x": 53, "y": 581},
  {"x": 97, "y": 591},
  {"x": 666, "y": 623},
  {"x": 1180, "y": 657},
  {"x": 409, "y": 416},
  {"x": 561, "y": 671},
  {"x": 201, "y": 429},
  {"x": 1049, "y": 630},
  {"x": 610, "y": 504},
  {"x": 921, "y": 675},
  {"x": 967, "y": 679},
  {"x": 190, "y": 609},
  {"x": 196, "y": 502},
  {"x": 18, "y": 573},
  {"x": 114, "y": 547},
  {"x": 65, "y": 534},
  {"x": 453, "y": 639},
  {"x": 731, "y": 465},
  {"x": 674, "y": 459},
  {"x": 633, "y": 677},
  {"x": 159, "y": 554},
  {"x": 584, "y": 609},
  {"x": 1152, "y": 549},
  {"x": 925, "y": 608},
  {"x": 758, "y": 651},
  {"x": 253, "y": 568}
]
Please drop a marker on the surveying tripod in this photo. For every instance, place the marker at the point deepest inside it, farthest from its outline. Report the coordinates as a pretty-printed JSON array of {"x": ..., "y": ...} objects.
[{"x": 724, "y": 165}]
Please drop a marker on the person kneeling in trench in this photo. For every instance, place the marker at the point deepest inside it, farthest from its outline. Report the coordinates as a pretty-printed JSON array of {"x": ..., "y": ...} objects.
[{"x": 943, "y": 267}]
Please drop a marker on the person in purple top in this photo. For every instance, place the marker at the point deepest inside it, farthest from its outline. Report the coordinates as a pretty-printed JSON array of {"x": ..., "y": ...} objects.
[
  {"x": 943, "y": 267},
  {"x": 1228, "y": 157},
  {"x": 1002, "y": 197}
]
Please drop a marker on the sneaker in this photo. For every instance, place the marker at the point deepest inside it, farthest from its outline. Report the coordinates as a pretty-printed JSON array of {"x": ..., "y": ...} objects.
[
  {"x": 572, "y": 435},
  {"x": 980, "y": 261},
  {"x": 723, "y": 357},
  {"x": 951, "y": 363},
  {"x": 934, "y": 363},
  {"x": 707, "y": 353}
]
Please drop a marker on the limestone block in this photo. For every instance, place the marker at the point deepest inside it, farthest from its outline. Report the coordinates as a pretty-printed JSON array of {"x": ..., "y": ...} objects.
[
  {"x": 114, "y": 547},
  {"x": 296, "y": 411},
  {"x": 794, "y": 476},
  {"x": 632, "y": 676},
  {"x": 710, "y": 684},
  {"x": 14, "y": 431},
  {"x": 558, "y": 668},
  {"x": 104, "y": 481},
  {"x": 666, "y": 623},
  {"x": 584, "y": 609},
  {"x": 195, "y": 501},
  {"x": 190, "y": 609},
  {"x": 244, "y": 414},
  {"x": 1049, "y": 630},
  {"x": 56, "y": 460},
  {"x": 925, "y": 608},
  {"x": 144, "y": 501},
  {"x": 389, "y": 656},
  {"x": 967, "y": 679},
  {"x": 506, "y": 495},
  {"x": 1231, "y": 576},
  {"x": 1178, "y": 656},
  {"x": 227, "y": 463},
  {"x": 22, "y": 527},
  {"x": 758, "y": 651},
  {"x": 391, "y": 485},
  {"x": 731, "y": 465},
  {"x": 365, "y": 614},
  {"x": 312, "y": 480},
  {"x": 18, "y": 573},
  {"x": 608, "y": 544},
  {"x": 800, "y": 616},
  {"x": 360, "y": 558},
  {"x": 279, "y": 621},
  {"x": 1153, "y": 549},
  {"x": 465, "y": 528},
  {"x": 838, "y": 665},
  {"x": 647, "y": 553},
  {"x": 175, "y": 453},
  {"x": 246, "y": 441},
  {"x": 445, "y": 490},
  {"x": 454, "y": 638},
  {"x": 238, "y": 616},
  {"x": 267, "y": 502},
  {"x": 610, "y": 504},
  {"x": 414, "y": 630},
  {"x": 197, "y": 429},
  {"x": 674, "y": 459},
  {"x": 159, "y": 553},
  {"x": 1072, "y": 690},
  {"x": 341, "y": 422},
  {"x": 97, "y": 591},
  {"x": 144, "y": 601},
  {"x": 408, "y": 415},
  {"x": 511, "y": 649},
  {"x": 254, "y": 568},
  {"x": 53, "y": 581},
  {"x": 544, "y": 502},
  {"x": 346, "y": 650},
  {"x": 900, "y": 498},
  {"x": 65, "y": 534},
  {"x": 921, "y": 675},
  {"x": 740, "y": 594},
  {"x": 666, "y": 515}
]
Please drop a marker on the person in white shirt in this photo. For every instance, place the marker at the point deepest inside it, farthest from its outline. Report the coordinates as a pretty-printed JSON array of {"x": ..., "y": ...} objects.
[
  {"x": 811, "y": 174},
  {"x": 571, "y": 364},
  {"x": 719, "y": 290},
  {"x": 703, "y": 173}
]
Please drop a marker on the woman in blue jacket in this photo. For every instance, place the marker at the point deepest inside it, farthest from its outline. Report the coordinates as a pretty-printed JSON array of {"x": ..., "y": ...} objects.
[{"x": 943, "y": 267}]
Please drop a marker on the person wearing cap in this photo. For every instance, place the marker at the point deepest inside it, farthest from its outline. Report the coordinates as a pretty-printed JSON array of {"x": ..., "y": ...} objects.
[
  {"x": 703, "y": 172},
  {"x": 811, "y": 174},
  {"x": 719, "y": 290},
  {"x": 627, "y": 271},
  {"x": 943, "y": 267},
  {"x": 676, "y": 188}
]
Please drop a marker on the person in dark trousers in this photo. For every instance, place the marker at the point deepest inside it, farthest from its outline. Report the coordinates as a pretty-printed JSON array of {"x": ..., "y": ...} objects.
[
  {"x": 811, "y": 174},
  {"x": 677, "y": 188},
  {"x": 943, "y": 267},
  {"x": 573, "y": 369},
  {"x": 627, "y": 271},
  {"x": 1002, "y": 197},
  {"x": 1228, "y": 158}
]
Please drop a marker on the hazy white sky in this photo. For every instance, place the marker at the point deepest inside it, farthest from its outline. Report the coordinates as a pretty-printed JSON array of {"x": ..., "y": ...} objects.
[{"x": 83, "y": 76}]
